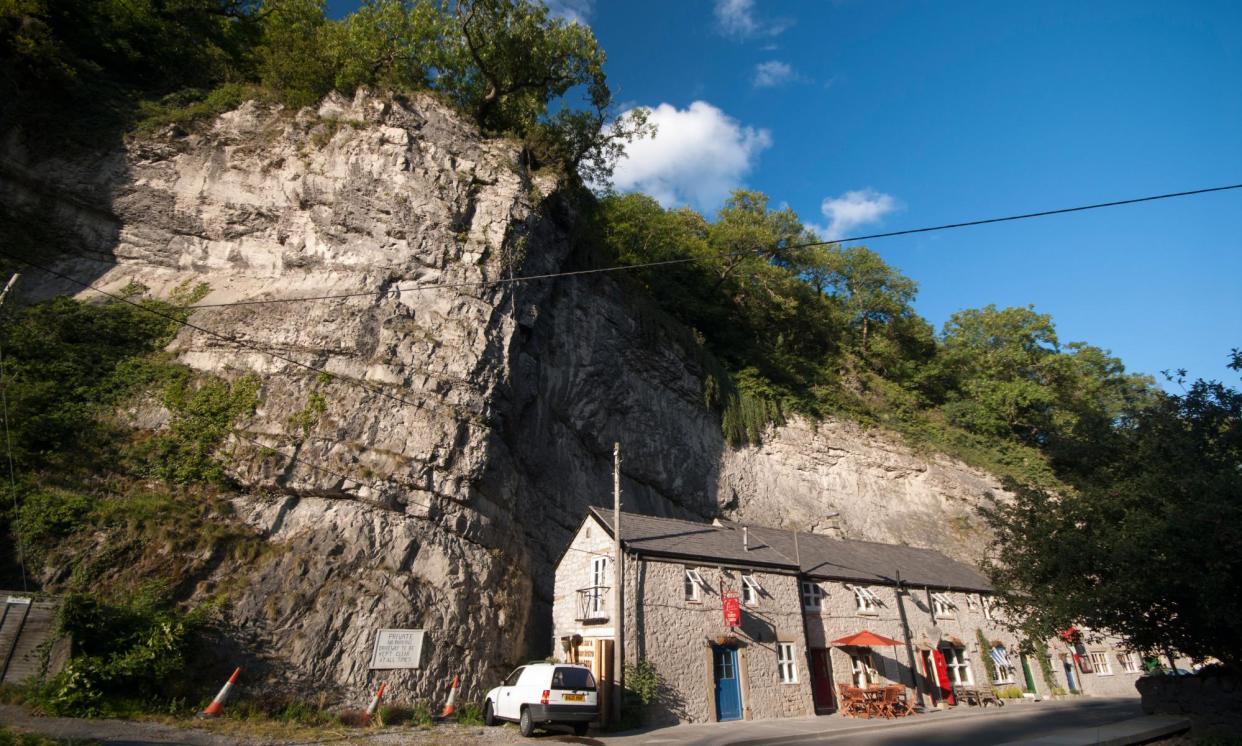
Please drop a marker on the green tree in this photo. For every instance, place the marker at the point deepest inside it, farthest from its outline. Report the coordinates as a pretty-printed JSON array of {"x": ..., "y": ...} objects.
[
  {"x": 1143, "y": 547},
  {"x": 392, "y": 45},
  {"x": 297, "y": 58},
  {"x": 872, "y": 292}
]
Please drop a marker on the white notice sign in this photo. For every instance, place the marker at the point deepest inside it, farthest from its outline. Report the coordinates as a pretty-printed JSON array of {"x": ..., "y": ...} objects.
[{"x": 397, "y": 648}]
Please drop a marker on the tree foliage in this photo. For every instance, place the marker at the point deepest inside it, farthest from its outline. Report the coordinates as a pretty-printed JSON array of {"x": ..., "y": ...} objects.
[
  {"x": 507, "y": 63},
  {"x": 1144, "y": 546}
]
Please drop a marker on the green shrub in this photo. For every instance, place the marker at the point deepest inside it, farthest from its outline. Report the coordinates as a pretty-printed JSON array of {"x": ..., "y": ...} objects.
[
  {"x": 202, "y": 416},
  {"x": 419, "y": 714},
  {"x": 129, "y": 655},
  {"x": 192, "y": 104},
  {"x": 470, "y": 713},
  {"x": 1009, "y": 692}
]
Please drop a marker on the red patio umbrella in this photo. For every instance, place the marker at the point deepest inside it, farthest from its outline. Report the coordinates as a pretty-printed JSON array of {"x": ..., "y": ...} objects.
[{"x": 867, "y": 639}]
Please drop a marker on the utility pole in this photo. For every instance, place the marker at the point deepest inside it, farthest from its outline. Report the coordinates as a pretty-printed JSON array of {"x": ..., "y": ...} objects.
[
  {"x": 618, "y": 648},
  {"x": 905, "y": 632}
]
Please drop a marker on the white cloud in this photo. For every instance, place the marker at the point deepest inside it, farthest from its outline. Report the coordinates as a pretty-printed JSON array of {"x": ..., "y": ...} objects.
[
  {"x": 698, "y": 155},
  {"x": 772, "y": 73},
  {"x": 574, "y": 11},
  {"x": 854, "y": 209},
  {"x": 737, "y": 18}
]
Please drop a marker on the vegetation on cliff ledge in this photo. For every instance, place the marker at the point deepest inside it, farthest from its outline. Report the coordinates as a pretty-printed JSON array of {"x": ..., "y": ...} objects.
[{"x": 508, "y": 64}]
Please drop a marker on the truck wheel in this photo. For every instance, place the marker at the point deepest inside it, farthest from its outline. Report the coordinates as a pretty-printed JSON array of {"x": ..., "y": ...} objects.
[
  {"x": 489, "y": 717},
  {"x": 526, "y": 725},
  {"x": 580, "y": 729}
]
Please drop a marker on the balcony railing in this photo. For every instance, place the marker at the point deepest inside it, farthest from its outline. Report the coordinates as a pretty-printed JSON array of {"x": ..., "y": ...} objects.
[{"x": 593, "y": 604}]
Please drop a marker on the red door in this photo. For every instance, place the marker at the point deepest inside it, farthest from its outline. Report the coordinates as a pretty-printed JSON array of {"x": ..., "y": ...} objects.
[
  {"x": 821, "y": 680},
  {"x": 942, "y": 676}
]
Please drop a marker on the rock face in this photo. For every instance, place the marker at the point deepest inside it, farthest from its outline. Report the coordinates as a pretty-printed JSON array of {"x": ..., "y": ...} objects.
[{"x": 468, "y": 423}]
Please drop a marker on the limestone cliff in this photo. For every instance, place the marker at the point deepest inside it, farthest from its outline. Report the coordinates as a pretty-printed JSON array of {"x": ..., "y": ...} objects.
[{"x": 469, "y": 423}]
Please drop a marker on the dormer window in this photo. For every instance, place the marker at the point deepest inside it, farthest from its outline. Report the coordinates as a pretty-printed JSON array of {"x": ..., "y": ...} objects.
[
  {"x": 868, "y": 602},
  {"x": 750, "y": 590},
  {"x": 694, "y": 585},
  {"x": 942, "y": 605}
]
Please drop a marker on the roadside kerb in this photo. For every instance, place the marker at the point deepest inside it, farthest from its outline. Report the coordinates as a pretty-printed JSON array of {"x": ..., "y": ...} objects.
[
  {"x": 872, "y": 726},
  {"x": 1121, "y": 733}
]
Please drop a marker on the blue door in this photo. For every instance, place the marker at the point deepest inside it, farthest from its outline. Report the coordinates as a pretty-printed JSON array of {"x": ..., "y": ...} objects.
[
  {"x": 1069, "y": 673},
  {"x": 728, "y": 691}
]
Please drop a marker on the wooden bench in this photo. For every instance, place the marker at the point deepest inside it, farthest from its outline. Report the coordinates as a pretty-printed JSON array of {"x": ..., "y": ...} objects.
[{"x": 980, "y": 696}]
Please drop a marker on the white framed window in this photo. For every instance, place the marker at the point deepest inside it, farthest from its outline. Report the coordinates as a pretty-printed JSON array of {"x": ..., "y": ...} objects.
[
  {"x": 972, "y": 601},
  {"x": 1099, "y": 661},
  {"x": 785, "y": 665},
  {"x": 958, "y": 666},
  {"x": 811, "y": 595},
  {"x": 1130, "y": 662},
  {"x": 942, "y": 605},
  {"x": 868, "y": 602},
  {"x": 987, "y": 607},
  {"x": 1002, "y": 664},
  {"x": 863, "y": 672},
  {"x": 694, "y": 585},
  {"x": 750, "y": 590},
  {"x": 599, "y": 578}
]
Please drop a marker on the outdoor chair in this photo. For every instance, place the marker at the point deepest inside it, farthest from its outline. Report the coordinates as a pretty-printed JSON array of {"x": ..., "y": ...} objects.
[
  {"x": 853, "y": 701},
  {"x": 887, "y": 705}
]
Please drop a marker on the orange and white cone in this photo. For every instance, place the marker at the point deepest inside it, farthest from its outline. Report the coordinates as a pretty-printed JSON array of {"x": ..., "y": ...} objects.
[
  {"x": 217, "y": 705},
  {"x": 371, "y": 708},
  {"x": 449, "y": 709}
]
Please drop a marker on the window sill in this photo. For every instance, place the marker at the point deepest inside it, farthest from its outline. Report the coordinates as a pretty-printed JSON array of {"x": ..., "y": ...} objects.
[
  {"x": 868, "y": 613},
  {"x": 698, "y": 602}
]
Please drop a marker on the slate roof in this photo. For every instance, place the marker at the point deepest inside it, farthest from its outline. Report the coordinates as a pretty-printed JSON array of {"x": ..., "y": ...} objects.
[
  {"x": 822, "y": 557},
  {"x": 673, "y": 537}
]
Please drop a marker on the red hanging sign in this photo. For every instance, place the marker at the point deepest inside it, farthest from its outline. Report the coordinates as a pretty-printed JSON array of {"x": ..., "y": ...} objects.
[{"x": 732, "y": 609}]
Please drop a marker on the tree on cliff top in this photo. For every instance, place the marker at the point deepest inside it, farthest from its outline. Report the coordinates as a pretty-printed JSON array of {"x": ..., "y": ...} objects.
[
  {"x": 508, "y": 64},
  {"x": 1147, "y": 547}
]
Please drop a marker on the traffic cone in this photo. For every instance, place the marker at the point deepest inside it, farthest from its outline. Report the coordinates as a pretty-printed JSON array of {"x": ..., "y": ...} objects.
[
  {"x": 371, "y": 708},
  {"x": 217, "y": 705},
  {"x": 449, "y": 709}
]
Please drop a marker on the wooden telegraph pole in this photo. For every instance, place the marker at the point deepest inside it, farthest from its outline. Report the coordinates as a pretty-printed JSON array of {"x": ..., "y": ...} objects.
[{"x": 618, "y": 648}]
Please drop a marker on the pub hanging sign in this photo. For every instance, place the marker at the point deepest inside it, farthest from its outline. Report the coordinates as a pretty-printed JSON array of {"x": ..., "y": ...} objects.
[{"x": 732, "y": 609}]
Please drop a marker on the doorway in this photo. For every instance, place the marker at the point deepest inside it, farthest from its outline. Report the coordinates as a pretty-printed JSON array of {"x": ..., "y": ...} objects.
[
  {"x": 728, "y": 689},
  {"x": 821, "y": 680}
]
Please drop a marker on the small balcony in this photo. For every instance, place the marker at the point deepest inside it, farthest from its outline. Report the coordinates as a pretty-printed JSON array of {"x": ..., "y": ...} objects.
[{"x": 593, "y": 604}]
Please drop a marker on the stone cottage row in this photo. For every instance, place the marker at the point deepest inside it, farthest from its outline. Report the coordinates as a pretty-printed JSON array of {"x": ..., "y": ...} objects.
[{"x": 740, "y": 621}]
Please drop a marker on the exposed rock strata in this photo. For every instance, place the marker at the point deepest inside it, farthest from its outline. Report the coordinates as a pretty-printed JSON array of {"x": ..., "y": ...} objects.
[{"x": 444, "y": 479}]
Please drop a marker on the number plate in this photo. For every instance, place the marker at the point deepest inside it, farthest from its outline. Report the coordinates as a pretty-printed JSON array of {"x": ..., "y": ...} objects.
[{"x": 575, "y": 697}]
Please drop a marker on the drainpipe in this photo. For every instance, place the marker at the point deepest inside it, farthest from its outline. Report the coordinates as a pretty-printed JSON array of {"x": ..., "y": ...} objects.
[{"x": 905, "y": 632}]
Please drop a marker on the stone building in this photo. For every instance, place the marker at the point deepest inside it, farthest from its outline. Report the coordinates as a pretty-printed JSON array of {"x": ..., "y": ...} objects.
[{"x": 797, "y": 593}]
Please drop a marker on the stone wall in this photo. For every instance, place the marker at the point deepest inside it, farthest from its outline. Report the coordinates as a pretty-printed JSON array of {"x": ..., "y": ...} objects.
[
  {"x": 675, "y": 634},
  {"x": 1211, "y": 699},
  {"x": 575, "y": 571}
]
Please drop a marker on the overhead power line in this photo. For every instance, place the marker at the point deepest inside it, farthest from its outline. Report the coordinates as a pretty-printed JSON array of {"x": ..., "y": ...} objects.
[{"x": 687, "y": 260}]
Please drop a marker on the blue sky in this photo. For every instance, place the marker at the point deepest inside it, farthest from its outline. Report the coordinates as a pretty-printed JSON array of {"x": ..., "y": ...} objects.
[{"x": 867, "y": 116}]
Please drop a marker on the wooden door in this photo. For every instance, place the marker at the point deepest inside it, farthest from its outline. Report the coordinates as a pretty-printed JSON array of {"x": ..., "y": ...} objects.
[{"x": 821, "y": 680}]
